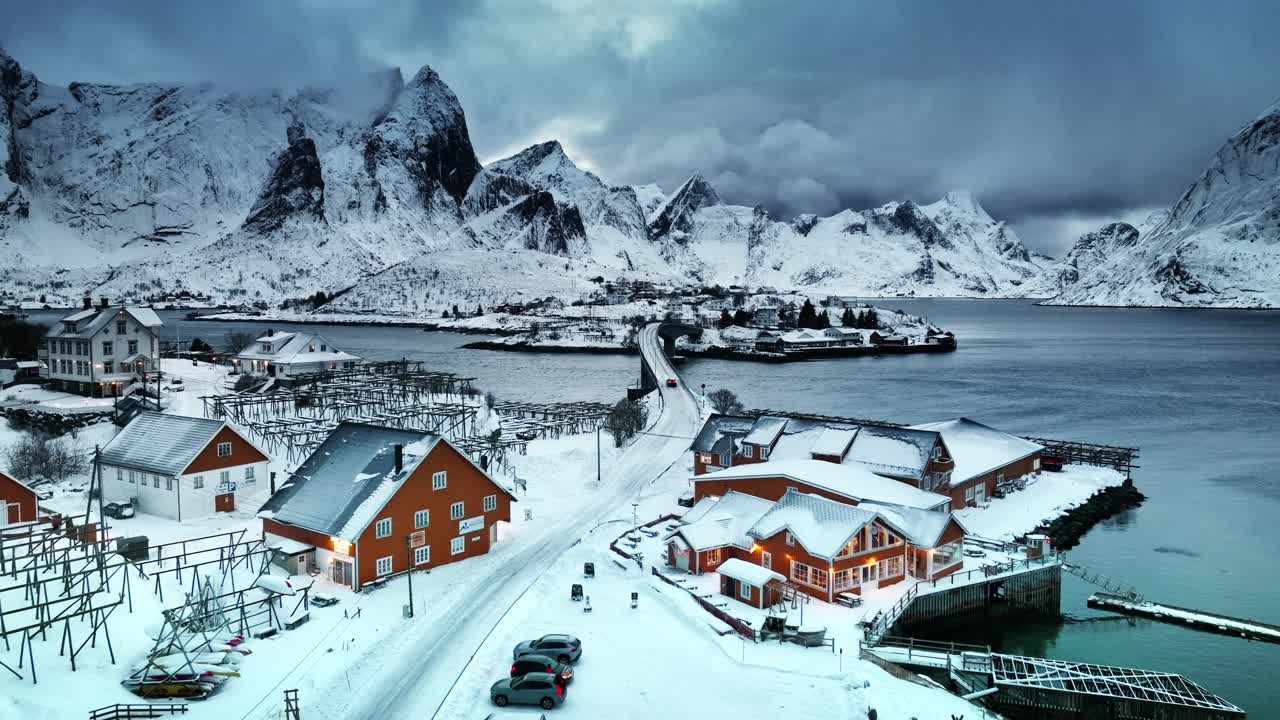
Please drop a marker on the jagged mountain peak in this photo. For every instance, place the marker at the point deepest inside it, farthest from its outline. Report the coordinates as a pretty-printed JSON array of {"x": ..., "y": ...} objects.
[
  {"x": 538, "y": 161},
  {"x": 675, "y": 217},
  {"x": 295, "y": 189}
]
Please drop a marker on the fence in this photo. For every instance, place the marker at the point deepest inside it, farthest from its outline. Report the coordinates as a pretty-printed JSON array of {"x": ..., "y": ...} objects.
[
  {"x": 136, "y": 712},
  {"x": 739, "y": 626},
  {"x": 633, "y": 558}
]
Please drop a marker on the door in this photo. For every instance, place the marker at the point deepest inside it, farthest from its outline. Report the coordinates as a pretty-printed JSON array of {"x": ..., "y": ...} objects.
[
  {"x": 302, "y": 564},
  {"x": 342, "y": 572},
  {"x": 730, "y": 587},
  {"x": 980, "y": 493},
  {"x": 493, "y": 534},
  {"x": 682, "y": 559},
  {"x": 225, "y": 502},
  {"x": 766, "y": 560},
  {"x": 4, "y": 514}
]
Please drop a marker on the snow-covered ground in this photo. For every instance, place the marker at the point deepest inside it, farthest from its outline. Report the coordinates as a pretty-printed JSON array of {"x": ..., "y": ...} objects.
[{"x": 1046, "y": 497}]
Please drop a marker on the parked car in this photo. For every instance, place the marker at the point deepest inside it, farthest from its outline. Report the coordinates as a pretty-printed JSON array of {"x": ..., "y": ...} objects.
[
  {"x": 175, "y": 381},
  {"x": 527, "y": 435},
  {"x": 118, "y": 510},
  {"x": 526, "y": 664},
  {"x": 564, "y": 648},
  {"x": 513, "y": 716},
  {"x": 532, "y": 689},
  {"x": 671, "y": 382}
]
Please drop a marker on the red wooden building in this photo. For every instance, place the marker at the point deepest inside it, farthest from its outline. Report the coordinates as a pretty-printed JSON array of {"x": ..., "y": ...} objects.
[
  {"x": 984, "y": 458},
  {"x": 17, "y": 501},
  {"x": 372, "y": 501}
]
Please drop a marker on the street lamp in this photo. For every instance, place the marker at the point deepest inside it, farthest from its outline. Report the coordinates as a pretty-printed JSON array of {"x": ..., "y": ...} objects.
[{"x": 408, "y": 548}]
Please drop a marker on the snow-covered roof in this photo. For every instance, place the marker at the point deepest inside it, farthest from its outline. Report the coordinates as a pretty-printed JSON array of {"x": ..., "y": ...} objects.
[
  {"x": 295, "y": 349},
  {"x": 347, "y": 479},
  {"x": 718, "y": 427},
  {"x": 288, "y": 546},
  {"x": 851, "y": 480},
  {"x": 892, "y": 450},
  {"x": 159, "y": 443},
  {"x": 923, "y": 528},
  {"x": 833, "y": 441},
  {"x": 977, "y": 449},
  {"x": 822, "y": 526},
  {"x": 765, "y": 431},
  {"x": 717, "y": 522},
  {"x": 743, "y": 571},
  {"x": 88, "y": 322}
]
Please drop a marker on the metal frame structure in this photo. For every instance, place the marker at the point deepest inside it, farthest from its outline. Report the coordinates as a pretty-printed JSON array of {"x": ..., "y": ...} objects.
[
  {"x": 1114, "y": 683},
  {"x": 1120, "y": 458}
]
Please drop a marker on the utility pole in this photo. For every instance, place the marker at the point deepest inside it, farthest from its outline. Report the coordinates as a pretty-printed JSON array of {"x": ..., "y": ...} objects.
[
  {"x": 408, "y": 546},
  {"x": 598, "y": 455}
]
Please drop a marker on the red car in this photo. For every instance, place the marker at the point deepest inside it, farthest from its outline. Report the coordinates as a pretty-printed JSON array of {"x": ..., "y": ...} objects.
[{"x": 671, "y": 382}]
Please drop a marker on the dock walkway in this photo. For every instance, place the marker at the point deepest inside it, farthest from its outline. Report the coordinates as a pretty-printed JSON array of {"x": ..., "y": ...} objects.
[{"x": 1197, "y": 619}]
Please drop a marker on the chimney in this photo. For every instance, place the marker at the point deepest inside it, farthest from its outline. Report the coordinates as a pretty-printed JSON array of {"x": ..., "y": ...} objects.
[
  {"x": 270, "y": 332},
  {"x": 399, "y": 458},
  {"x": 273, "y": 483},
  {"x": 104, "y": 301},
  {"x": 88, "y": 303}
]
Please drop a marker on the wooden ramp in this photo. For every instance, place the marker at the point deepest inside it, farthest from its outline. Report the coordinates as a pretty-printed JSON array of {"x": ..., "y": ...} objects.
[{"x": 1186, "y": 617}]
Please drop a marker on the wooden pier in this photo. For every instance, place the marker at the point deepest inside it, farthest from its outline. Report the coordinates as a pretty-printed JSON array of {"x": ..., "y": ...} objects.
[{"x": 1186, "y": 617}]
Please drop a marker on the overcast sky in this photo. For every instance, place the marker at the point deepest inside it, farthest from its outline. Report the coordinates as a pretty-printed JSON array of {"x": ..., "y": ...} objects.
[{"x": 1058, "y": 117}]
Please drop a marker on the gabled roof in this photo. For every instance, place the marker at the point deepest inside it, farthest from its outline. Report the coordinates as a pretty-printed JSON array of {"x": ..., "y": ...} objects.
[
  {"x": 922, "y": 528},
  {"x": 851, "y": 480},
  {"x": 295, "y": 349},
  {"x": 348, "y": 479},
  {"x": 895, "y": 451},
  {"x": 89, "y": 322},
  {"x": 717, "y": 522},
  {"x": 755, "y": 575},
  {"x": 160, "y": 443},
  {"x": 718, "y": 427},
  {"x": 765, "y": 431},
  {"x": 833, "y": 442},
  {"x": 820, "y": 525},
  {"x": 978, "y": 449},
  {"x": 17, "y": 482}
]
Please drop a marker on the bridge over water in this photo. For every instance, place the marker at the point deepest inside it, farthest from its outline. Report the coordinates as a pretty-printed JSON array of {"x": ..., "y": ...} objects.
[{"x": 667, "y": 331}]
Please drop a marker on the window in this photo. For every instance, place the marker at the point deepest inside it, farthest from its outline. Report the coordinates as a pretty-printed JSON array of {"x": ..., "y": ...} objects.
[
  {"x": 168, "y": 484},
  {"x": 198, "y": 482},
  {"x": 133, "y": 346},
  {"x": 422, "y": 555},
  {"x": 968, "y": 494},
  {"x": 744, "y": 591},
  {"x": 132, "y": 477},
  {"x": 713, "y": 556},
  {"x": 812, "y": 576},
  {"x": 108, "y": 367},
  {"x": 843, "y": 580},
  {"x": 790, "y": 540},
  {"x": 457, "y": 546},
  {"x": 421, "y": 519},
  {"x": 250, "y": 475},
  {"x": 324, "y": 348},
  {"x": 119, "y": 475},
  {"x": 108, "y": 348},
  {"x": 490, "y": 502},
  {"x": 120, "y": 327},
  {"x": 439, "y": 480},
  {"x": 155, "y": 481},
  {"x": 224, "y": 480},
  {"x": 382, "y": 528},
  {"x": 456, "y": 511},
  {"x": 224, "y": 449},
  {"x": 383, "y": 566}
]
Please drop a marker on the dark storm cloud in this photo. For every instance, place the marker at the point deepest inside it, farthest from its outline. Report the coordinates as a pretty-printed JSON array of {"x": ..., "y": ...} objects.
[{"x": 1052, "y": 114}]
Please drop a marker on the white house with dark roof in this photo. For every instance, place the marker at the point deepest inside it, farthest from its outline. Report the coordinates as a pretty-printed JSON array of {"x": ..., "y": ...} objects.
[
  {"x": 284, "y": 356},
  {"x": 180, "y": 467},
  {"x": 101, "y": 351}
]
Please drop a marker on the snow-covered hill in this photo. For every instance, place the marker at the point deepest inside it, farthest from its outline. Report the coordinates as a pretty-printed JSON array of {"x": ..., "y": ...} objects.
[
  {"x": 373, "y": 193},
  {"x": 1218, "y": 246}
]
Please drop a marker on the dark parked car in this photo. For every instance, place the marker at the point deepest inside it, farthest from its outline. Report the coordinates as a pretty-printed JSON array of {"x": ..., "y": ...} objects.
[
  {"x": 532, "y": 689},
  {"x": 118, "y": 510},
  {"x": 526, "y": 664},
  {"x": 564, "y": 648}
]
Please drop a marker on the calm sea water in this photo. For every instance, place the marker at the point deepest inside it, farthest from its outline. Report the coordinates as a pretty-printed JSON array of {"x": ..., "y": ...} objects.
[{"x": 1197, "y": 391}]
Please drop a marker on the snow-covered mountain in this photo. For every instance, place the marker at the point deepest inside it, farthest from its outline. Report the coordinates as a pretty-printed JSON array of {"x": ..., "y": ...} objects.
[
  {"x": 373, "y": 193},
  {"x": 1218, "y": 246}
]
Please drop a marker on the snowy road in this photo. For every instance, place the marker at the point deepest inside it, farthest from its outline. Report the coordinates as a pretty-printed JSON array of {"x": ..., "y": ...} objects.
[{"x": 416, "y": 677}]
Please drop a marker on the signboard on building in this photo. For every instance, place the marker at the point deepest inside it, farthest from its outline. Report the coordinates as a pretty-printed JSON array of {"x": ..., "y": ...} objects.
[
  {"x": 471, "y": 525},
  {"x": 418, "y": 539}
]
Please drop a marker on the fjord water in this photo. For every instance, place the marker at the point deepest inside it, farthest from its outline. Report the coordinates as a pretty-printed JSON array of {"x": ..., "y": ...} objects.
[{"x": 1197, "y": 391}]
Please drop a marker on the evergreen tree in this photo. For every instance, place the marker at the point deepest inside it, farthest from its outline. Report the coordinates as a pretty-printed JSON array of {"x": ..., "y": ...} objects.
[
  {"x": 456, "y": 312},
  {"x": 741, "y": 317},
  {"x": 848, "y": 319},
  {"x": 725, "y": 319},
  {"x": 824, "y": 321},
  {"x": 808, "y": 316},
  {"x": 479, "y": 310},
  {"x": 444, "y": 314},
  {"x": 871, "y": 320}
]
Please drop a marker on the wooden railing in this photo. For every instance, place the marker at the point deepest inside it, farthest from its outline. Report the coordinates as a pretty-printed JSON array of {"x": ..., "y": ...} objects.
[
  {"x": 738, "y": 625},
  {"x": 987, "y": 571},
  {"x": 137, "y": 711}
]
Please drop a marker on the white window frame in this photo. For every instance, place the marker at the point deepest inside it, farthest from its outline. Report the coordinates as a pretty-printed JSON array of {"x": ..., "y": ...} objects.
[
  {"x": 968, "y": 494},
  {"x": 791, "y": 541},
  {"x": 490, "y": 503},
  {"x": 744, "y": 590},
  {"x": 383, "y": 566},
  {"x": 224, "y": 478},
  {"x": 250, "y": 475},
  {"x": 439, "y": 480},
  {"x": 421, "y": 519},
  {"x": 713, "y": 556},
  {"x": 457, "y": 545},
  {"x": 132, "y": 477},
  {"x": 422, "y": 555},
  {"x": 223, "y": 445},
  {"x": 168, "y": 484},
  {"x": 197, "y": 482},
  {"x": 119, "y": 475},
  {"x": 382, "y": 528},
  {"x": 457, "y": 510}
]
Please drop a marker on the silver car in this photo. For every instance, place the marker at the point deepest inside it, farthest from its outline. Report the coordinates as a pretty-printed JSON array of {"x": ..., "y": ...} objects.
[{"x": 532, "y": 689}]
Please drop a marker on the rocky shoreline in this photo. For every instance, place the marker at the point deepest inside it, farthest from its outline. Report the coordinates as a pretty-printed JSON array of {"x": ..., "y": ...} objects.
[
  {"x": 717, "y": 352},
  {"x": 1066, "y": 531}
]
